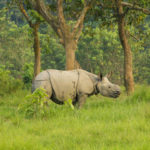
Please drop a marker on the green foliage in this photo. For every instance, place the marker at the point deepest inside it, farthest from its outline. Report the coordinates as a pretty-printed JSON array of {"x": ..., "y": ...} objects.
[
  {"x": 27, "y": 74},
  {"x": 141, "y": 53},
  {"x": 53, "y": 53},
  {"x": 35, "y": 17},
  {"x": 99, "y": 50},
  {"x": 35, "y": 104},
  {"x": 69, "y": 103},
  {"x": 8, "y": 84},
  {"x": 15, "y": 44}
]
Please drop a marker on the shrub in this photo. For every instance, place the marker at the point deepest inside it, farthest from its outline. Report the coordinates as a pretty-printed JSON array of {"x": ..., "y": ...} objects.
[
  {"x": 7, "y": 82},
  {"x": 28, "y": 74},
  {"x": 69, "y": 103},
  {"x": 35, "y": 104}
]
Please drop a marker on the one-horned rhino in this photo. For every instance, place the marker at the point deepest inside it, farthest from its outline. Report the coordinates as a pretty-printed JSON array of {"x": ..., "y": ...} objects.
[{"x": 74, "y": 84}]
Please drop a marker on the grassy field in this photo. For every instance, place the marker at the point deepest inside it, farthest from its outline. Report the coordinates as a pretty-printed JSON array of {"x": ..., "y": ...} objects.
[{"x": 102, "y": 124}]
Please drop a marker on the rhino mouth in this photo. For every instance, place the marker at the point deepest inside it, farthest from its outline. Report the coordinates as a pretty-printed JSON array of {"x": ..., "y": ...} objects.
[{"x": 115, "y": 94}]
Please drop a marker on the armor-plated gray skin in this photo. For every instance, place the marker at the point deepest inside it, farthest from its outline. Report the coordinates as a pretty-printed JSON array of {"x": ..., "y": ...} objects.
[{"x": 75, "y": 84}]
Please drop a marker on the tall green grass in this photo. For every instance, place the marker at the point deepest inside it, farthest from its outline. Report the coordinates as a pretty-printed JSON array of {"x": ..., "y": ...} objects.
[{"x": 102, "y": 124}]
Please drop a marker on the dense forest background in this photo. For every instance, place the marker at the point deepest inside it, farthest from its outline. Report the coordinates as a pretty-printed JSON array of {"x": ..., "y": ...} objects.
[{"x": 99, "y": 49}]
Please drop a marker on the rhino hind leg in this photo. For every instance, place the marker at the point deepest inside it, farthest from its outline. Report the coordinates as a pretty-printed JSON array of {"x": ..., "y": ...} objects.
[{"x": 81, "y": 100}]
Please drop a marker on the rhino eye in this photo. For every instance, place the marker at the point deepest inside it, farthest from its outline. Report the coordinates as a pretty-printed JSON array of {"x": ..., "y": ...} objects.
[{"x": 109, "y": 87}]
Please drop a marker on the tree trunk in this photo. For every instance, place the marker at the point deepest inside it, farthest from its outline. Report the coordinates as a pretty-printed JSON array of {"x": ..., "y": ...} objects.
[
  {"x": 68, "y": 35},
  {"x": 70, "y": 47},
  {"x": 37, "y": 61},
  {"x": 36, "y": 45},
  {"x": 128, "y": 74}
]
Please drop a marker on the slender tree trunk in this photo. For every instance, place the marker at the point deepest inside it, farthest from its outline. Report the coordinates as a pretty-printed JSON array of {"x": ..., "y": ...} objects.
[
  {"x": 37, "y": 61},
  {"x": 128, "y": 74},
  {"x": 36, "y": 46}
]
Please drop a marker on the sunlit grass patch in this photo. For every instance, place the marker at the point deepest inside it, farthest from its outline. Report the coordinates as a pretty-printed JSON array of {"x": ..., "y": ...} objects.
[{"x": 102, "y": 123}]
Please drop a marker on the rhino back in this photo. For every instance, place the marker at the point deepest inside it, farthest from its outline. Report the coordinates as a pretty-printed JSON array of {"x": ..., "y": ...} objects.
[{"x": 42, "y": 76}]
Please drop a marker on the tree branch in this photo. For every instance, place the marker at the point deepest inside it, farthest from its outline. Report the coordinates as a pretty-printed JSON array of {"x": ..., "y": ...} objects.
[
  {"x": 79, "y": 23},
  {"x": 132, "y": 36},
  {"x": 79, "y": 32},
  {"x": 61, "y": 14},
  {"x": 131, "y": 6},
  {"x": 20, "y": 5},
  {"x": 81, "y": 19},
  {"x": 41, "y": 8},
  {"x": 136, "y": 7}
]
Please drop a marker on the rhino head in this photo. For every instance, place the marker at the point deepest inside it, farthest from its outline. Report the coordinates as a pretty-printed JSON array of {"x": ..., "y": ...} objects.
[{"x": 108, "y": 89}]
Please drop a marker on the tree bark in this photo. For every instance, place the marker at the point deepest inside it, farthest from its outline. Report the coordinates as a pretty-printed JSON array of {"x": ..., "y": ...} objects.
[
  {"x": 70, "y": 59},
  {"x": 128, "y": 74},
  {"x": 70, "y": 47},
  {"x": 36, "y": 46}
]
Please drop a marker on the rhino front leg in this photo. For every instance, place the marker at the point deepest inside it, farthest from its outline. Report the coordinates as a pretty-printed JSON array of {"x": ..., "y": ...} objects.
[{"x": 81, "y": 100}]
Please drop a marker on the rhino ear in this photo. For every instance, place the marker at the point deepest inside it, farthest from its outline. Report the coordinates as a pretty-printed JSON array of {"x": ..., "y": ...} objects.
[
  {"x": 100, "y": 76},
  {"x": 109, "y": 74}
]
